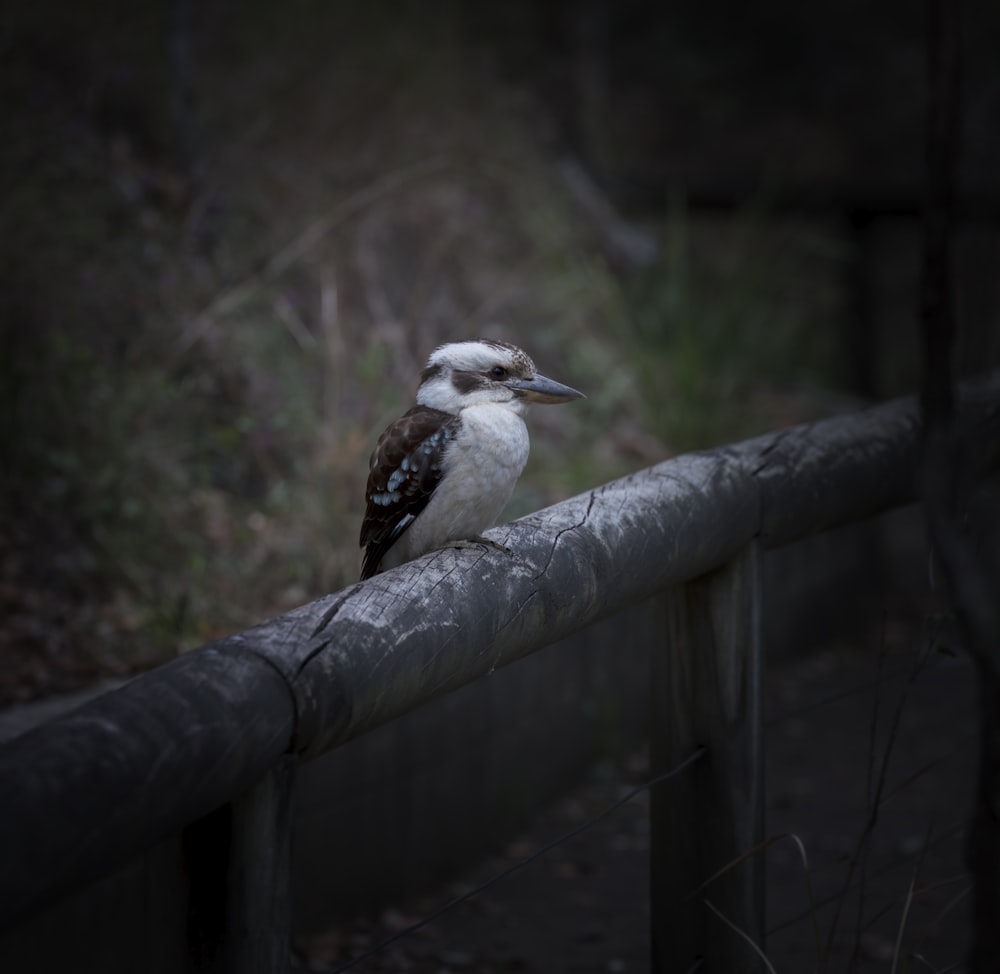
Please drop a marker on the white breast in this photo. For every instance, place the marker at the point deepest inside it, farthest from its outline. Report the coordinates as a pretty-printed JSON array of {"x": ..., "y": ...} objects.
[{"x": 481, "y": 468}]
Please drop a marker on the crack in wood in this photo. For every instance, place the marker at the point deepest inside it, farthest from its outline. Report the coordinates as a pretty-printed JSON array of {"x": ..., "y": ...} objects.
[
  {"x": 592, "y": 497},
  {"x": 769, "y": 449},
  {"x": 517, "y": 612},
  {"x": 331, "y": 612},
  {"x": 310, "y": 656}
]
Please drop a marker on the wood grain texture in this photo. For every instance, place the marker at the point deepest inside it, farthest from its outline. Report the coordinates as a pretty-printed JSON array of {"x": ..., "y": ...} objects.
[
  {"x": 87, "y": 792},
  {"x": 706, "y": 691},
  {"x": 96, "y": 787},
  {"x": 260, "y": 905}
]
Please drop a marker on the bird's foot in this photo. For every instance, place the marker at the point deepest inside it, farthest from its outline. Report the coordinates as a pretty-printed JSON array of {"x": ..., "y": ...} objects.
[{"x": 477, "y": 541}]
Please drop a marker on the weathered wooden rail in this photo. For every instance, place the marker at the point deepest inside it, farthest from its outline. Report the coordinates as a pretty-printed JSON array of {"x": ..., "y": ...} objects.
[{"x": 207, "y": 745}]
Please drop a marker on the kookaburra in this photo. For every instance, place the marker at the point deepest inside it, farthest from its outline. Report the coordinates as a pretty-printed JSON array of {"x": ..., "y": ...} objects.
[{"x": 444, "y": 470}]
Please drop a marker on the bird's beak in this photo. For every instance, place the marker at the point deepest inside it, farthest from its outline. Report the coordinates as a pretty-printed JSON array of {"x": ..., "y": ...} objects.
[{"x": 541, "y": 389}]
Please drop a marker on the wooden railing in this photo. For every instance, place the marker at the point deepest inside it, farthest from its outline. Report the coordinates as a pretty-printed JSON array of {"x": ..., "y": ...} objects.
[{"x": 207, "y": 745}]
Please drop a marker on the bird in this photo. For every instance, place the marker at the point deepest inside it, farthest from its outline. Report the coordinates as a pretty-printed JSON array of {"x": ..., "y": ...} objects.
[{"x": 441, "y": 474}]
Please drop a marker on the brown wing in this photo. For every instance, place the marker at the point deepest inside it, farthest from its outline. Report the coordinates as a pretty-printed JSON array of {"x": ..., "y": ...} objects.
[{"x": 406, "y": 466}]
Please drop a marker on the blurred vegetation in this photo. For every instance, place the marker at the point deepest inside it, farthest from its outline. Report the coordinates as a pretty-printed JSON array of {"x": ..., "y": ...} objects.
[{"x": 211, "y": 307}]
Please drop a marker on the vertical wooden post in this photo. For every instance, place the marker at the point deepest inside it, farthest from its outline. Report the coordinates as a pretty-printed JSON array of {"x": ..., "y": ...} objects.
[
  {"x": 706, "y": 691},
  {"x": 259, "y": 913}
]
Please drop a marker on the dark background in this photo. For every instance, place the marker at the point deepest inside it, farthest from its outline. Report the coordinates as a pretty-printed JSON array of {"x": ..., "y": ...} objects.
[{"x": 232, "y": 232}]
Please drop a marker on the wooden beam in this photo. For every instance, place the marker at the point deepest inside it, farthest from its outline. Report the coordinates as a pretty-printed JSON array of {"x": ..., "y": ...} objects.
[
  {"x": 260, "y": 904},
  {"x": 175, "y": 743},
  {"x": 707, "y": 692},
  {"x": 89, "y": 791}
]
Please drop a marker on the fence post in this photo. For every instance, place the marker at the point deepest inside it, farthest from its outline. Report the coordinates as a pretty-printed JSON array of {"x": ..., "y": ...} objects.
[
  {"x": 706, "y": 690},
  {"x": 260, "y": 909},
  {"x": 238, "y": 862}
]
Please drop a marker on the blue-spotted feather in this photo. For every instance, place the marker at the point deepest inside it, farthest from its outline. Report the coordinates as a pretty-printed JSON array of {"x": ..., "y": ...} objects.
[{"x": 406, "y": 466}]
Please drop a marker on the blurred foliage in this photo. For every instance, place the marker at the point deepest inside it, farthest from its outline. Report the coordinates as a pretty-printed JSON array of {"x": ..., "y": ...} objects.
[
  {"x": 742, "y": 315},
  {"x": 210, "y": 316}
]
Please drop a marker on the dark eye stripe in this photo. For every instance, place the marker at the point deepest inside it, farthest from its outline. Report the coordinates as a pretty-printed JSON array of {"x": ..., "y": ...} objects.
[
  {"x": 465, "y": 382},
  {"x": 431, "y": 372}
]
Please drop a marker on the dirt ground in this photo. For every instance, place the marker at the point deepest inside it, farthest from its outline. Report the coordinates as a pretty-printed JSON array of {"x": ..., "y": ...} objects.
[{"x": 582, "y": 906}]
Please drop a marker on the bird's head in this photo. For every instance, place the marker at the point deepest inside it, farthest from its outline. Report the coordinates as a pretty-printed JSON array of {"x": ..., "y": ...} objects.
[{"x": 484, "y": 371}]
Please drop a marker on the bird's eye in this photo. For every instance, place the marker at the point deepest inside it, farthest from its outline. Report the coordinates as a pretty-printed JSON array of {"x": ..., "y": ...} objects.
[{"x": 498, "y": 372}]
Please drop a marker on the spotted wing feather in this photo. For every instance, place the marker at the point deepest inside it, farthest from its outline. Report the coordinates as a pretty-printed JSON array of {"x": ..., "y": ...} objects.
[{"x": 406, "y": 466}]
